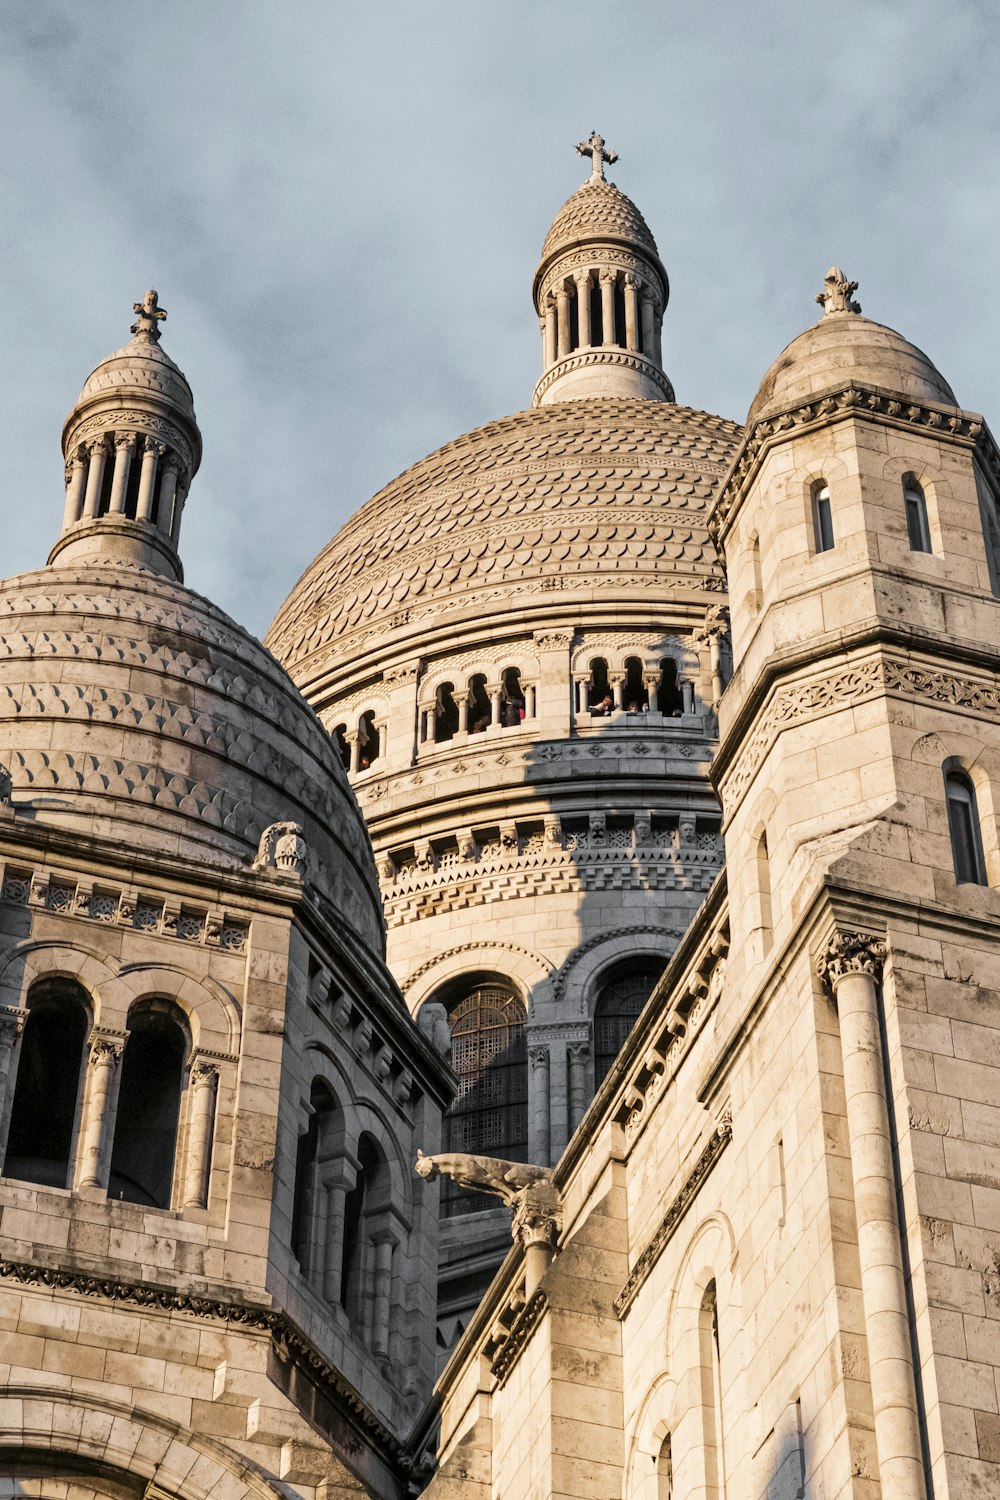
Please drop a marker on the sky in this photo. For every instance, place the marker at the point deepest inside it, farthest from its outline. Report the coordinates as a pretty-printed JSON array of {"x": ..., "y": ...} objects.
[{"x": 342, "y": 205}]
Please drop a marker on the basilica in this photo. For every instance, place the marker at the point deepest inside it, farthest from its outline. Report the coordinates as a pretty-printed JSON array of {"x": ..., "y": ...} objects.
[{"x": 530, "y": 1028}]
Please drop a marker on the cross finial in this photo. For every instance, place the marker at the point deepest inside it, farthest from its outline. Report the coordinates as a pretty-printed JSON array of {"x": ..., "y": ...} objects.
[
  {"x": 594, "y": 148},
  {"x": 150, "y": 314},
  {"x": 836, "y": 294}
]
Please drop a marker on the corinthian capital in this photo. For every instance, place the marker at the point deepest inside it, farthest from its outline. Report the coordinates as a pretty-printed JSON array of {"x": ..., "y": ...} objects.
[{"x": 851, "y": 953}]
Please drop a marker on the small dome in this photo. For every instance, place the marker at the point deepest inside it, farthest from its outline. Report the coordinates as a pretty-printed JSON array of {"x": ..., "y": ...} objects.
[
  {"x": 133, "y": 709},
  {"x": 140, "y": 366},
  {"x": 844, "y": 346},
  {"x": 598, "y": 210}
]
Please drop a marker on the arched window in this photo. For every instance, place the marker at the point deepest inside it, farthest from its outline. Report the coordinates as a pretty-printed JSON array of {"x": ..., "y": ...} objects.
[
  {"x": 149, "y": 1097},
  {"x": 47, "y": 1092},
  {"x": 511, "y": 698},
  {"x": 621, "y": 998},
  {"x": 445, "y": 713},
  {"x": 963, "y": 825},
  {"x": 343, "y": 748},
  {"x": 669, "y": 695},
  {"x": 480, "y": 706},
  {"x": 311, "y": 1238},
  {"x": 711, "y": 1394},
  {"x": 636, "y": 695},
  {"x": 917, "y": 528},
  {"x": 600, "y": 699},
  {"x": 758, "y": 574},
  {"x": 369, "y": 741},
  {"x": 665, "y": 1471},
  {"x": 489, "y": 1055},
  {"x": 368, "y": 1246},
  {"x": 822, "y": 516}
]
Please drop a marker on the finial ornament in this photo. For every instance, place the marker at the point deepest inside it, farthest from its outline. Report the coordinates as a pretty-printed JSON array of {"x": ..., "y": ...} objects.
[
  {"x": 594, "y": 148},
  {"x": 150, "y": 314},
  {"x": 851, "y": 953},
  {"x": 836, "y": 294}
]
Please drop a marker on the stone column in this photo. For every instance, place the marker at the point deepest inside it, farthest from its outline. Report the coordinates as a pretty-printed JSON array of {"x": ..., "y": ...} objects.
[
  {"x": 154, "y": 451},
  {"x": 168, "y": 495},
  {"x": 75, "y": 488},
  {"x": 98, "y": 450},
  {"x": 431, "y": 724},
  {"x": 851, "y": 966},
  {"x": 105, "y": 1055},
  {"x": 536, "y": 1219},
  {"x": 180, "y": 495},
  {"x": 582, "y": 279},
  {"x": 551, "y": 333},
  {"x": 607, "y": 280},
  {"x": 124, "y": 448},
  {"x": 383, "y": 1244},
  {"x": 558, "y": 1101},
  {"x": 351, "y": 736},
  {"x": 203, "y": 1083},
  {"x": 494, "y": 691},
  {"x": 631, "y": 311},
  {"x": 538, "y": 1056},
  {"x": 12, "y": 1021},
  {"x": 578, "y": 1054},
  {"x": 562, "y": 309},
  {"x": 715, "y": 655},
  {"x": 463, "y": 712},
  {"x": 338, "y": 1178},
  {"x": 646, "y": 316}
]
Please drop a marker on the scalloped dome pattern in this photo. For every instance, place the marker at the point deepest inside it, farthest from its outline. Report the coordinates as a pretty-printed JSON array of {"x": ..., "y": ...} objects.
[
  {"x": 605, "y": 489},
  {"x": 134, "y": 709},
  {"x": 598, "y": 210},
  {"x": 140, "y": 365}
]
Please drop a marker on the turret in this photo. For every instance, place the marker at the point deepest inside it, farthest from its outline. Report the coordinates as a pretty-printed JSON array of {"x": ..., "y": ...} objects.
[
  {"x": 132, "y": 446},
  {"x": 600, "y": 292}
]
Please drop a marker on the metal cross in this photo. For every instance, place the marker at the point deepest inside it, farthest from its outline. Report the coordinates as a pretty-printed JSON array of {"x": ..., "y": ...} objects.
[
  {"x": 150, "y": 314},
  {"x": 594, "y": 148}
]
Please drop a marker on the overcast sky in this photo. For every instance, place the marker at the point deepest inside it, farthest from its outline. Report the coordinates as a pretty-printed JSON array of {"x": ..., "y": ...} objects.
[{"x": 342, "y": 205}]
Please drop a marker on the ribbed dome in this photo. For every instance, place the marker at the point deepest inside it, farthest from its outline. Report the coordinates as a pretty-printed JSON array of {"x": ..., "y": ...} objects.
[
  {"x": 141, "y": 366},
  {"x": 133, "y": 709},
  {"x": 844, "y": 346},
  {"x": 547, "y": 505},
  {"x": 598, "y": 210}
]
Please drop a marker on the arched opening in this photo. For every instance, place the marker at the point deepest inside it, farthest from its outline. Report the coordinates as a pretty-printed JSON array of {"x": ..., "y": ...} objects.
[
  {"x": 149, "y": 1101},
  {"x": 822, "y": 517},
  {"x": 308, "y": 1241},
  {"x": 47, "y": 1092},
  {"x": 711, "y": 1394},
  {"x": 366, "y": 1267},
  {"x": 669, "y": 691},
  {"x": 623, "y": 993},
  {"x": 619, "y": 301},
  {"x": 574, "y": 317},
  {"x": 596, "y": 314},
  {"x": 489, "y": 1054},
  {"x": 369, "y": 741},
  {"x": 134, "y": 479},
  {"x": 600, "y": 699},
  {"x": 343, "y": 748},
  {"x": 445, "y": 713},
  {"x": 636, "y": 694},
  {"x": 511, "y": 698},
  {"x": 917, "y": 528},
  {"x": 665, "y": 1471},
  {"x": 764, "y": 890},
  {"x": 480, "y": 707},
  {"x": 107, "y": 482},
  {"x": 963, "y": 826}
]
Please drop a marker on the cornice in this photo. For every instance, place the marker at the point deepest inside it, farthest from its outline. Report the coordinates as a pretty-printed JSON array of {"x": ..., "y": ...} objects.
[
  {"x": 852, "y": 400},
  {"x": 582, "y": 358}
]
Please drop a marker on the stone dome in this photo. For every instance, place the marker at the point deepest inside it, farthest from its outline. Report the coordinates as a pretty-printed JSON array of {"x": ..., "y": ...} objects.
[
  {"x": 132, "y": 709},
  {"x": 537, "y": 510},
  {"x": 844, "y": 346},
  {"x": 598, "y": 210},
  {"x": 140, "y": 365}
]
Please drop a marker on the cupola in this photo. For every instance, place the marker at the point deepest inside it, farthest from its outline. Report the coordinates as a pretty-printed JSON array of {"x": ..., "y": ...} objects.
[
  {"x": 131, "y": 445},
  {"x": 600, "y": 292}
]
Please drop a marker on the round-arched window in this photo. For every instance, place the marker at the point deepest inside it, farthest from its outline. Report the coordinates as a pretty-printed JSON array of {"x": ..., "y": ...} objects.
[
  {"x": 623, "y": 995},
  {"x": 489, "y": 1054}
]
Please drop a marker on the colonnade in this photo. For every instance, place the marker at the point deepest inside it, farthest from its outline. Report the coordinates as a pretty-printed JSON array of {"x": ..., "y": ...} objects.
[
  {"x": 642, "y": 316},
  {"x": 161, "y": 487}
]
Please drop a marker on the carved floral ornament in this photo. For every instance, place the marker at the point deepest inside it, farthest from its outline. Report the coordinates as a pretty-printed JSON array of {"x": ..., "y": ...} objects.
[
  {"x": 851, "y": 400},
  {"x": 851, "y": 953}
]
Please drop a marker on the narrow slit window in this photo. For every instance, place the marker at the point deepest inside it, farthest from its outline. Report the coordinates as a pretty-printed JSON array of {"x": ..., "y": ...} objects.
[
  {"x": 822, "y": 518},
  {"x": 963, "y": 825},
  {"x": 917, "y": 528}
]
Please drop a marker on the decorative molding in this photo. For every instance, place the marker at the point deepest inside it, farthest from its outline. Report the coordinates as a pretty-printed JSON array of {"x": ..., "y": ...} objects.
[
  {"x": 717, "y": 1143},
  {"x": 289, "y": 1342},
  {"x": 509, "y": 1351},
  {"x": 853, "y": 400},
  {"x": 605, "y": 355},
  {"x": 636, "y": 930},
  {"x": 102, "y": 424},
  {"x": 487, "y": 943},
  {"x": 850, "y": 953}
]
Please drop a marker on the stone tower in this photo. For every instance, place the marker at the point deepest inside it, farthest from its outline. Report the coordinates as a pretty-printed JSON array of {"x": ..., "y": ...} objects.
[
  {"x": 519, "y": 645},
  {"x": 216, "y": 1269}
]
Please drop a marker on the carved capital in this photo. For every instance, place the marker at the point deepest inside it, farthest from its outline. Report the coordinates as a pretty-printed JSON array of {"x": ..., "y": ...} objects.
[
  {"x": 126, "y": 441},
  {"x": 539, "y": 1057},
  {"x": 97, "y": 445},
  {"x": 851, "y": 953},
  {"x": 607, "y": 276},
  {"x": 106, "y": 1049},
  {"x": 12, "y": 1022},
  {"x": 204, "y": 1075},
  {"x": 154, "y": 446},
  {"x": 536, "y": 1217}
]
